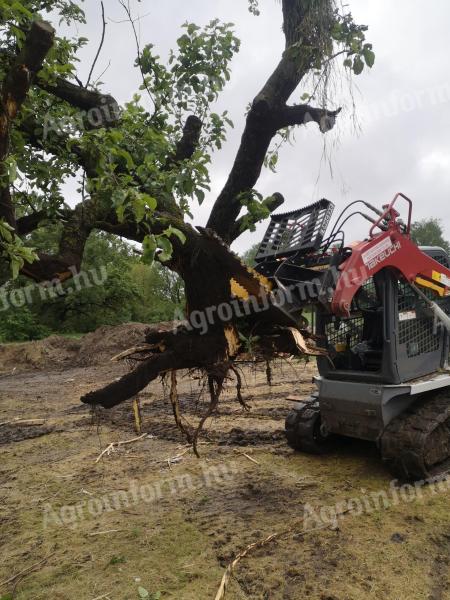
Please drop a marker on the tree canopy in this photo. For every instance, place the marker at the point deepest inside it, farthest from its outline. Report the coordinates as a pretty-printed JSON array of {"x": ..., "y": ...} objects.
[
  {"x": 141, "y": 171},
  {"x": 429, "y": 232}
]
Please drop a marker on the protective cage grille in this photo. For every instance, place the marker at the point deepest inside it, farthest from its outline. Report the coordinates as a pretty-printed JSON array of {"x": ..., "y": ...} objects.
[
  {"x": 296, "y": 231},
  {"x": 348, "y": 330},
  {"x": 352, "y": 329},
  {"x": 416, "y": 325}
]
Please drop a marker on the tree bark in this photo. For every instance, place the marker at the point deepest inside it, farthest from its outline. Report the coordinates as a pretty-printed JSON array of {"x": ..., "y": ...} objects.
[
  {"x": 14, "y": 91},
  {"x": 269, "y": 113}
]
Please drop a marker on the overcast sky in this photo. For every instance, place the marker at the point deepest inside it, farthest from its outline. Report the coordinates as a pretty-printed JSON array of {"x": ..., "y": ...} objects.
[{"x": 402, "y": 103}]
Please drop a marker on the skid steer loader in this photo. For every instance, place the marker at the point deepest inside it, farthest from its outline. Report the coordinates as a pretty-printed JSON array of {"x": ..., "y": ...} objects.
[{"x": 378, "y": 309}]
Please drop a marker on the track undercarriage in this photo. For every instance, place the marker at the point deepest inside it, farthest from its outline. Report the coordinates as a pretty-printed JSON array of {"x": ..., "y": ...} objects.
[{"x": 415, "y": 445}]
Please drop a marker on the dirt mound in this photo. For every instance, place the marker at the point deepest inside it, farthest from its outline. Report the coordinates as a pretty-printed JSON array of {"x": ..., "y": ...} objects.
[
  {"x": 55, "y": 352},
  {"x": 98, "y": 347}
]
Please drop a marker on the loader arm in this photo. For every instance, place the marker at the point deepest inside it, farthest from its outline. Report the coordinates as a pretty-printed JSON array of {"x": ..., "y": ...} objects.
[{"x": 392, "y": 248}]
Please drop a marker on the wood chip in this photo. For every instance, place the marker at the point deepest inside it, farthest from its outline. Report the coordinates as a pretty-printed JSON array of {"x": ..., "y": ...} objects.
[{"x": 294, "y": 399}]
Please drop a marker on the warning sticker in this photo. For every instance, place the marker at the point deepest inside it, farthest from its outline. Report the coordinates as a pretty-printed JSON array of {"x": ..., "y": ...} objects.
[
  {"x": 407, "y": 315},
  {"x": 445, "y": 280},
  {"x": 441, "y": 278}
]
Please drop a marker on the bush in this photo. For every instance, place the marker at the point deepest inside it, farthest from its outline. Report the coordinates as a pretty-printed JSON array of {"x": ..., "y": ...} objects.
[{"x": 21, "y": 325}]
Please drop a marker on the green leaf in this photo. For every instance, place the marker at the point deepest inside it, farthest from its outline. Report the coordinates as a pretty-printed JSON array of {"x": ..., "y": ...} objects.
[
  {"x": 166, "y": 248},
  {"x": 143, "y": 593},
  {"x": 200, "y": 196},
  {"x": 118, "y": 196},
  {"x": 358, "y": 65},
  {"x": 16, "y": 265},
  {"x": 120, "y": 152},
  {"x": 176, "y": 232},
  {"x": 120, "y": 211},
  {"x": 150, "y": 201},
  {"x": 138, "y": 205},
  {"x": 12, "y": 168},
  {"x": 369, "y": 57},
  {"x": 6, "y": 231},
  {"x": 149, "y": 246}
]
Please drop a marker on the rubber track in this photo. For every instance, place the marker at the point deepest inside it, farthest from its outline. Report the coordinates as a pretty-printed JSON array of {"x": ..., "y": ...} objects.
[
  {"x": 404, "y": 439},
  {"x": 301, "y": 428}
]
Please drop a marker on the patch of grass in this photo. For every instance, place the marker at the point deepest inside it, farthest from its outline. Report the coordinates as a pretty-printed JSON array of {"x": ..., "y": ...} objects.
[
  {"x": 117, "y": 560},
  {"x": 71, "y": 336}
]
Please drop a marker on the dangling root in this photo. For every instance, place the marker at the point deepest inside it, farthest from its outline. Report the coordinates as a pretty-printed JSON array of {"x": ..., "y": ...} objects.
[
  {"x": 213, "y": 353},
  {"x": 215, "y": 385},
  {"x": 240, "y": 399},
  {"x": 176, "y": 407},
  {"x": 268, "y": 372}
]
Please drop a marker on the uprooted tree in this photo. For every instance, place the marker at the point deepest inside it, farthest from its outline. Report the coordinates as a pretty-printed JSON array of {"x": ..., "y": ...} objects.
[{"x": 142, "y": 166}]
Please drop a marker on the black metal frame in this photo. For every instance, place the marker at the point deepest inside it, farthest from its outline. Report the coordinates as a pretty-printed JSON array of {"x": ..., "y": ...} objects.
[{"x": 296, "y": 231}]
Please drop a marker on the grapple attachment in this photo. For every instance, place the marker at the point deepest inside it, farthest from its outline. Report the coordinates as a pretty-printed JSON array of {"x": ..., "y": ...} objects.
[{"x": 299, "y": 231}]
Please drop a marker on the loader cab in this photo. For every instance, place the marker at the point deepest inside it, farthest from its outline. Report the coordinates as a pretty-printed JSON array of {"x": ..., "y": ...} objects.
[{"x": 391, "y": 337}]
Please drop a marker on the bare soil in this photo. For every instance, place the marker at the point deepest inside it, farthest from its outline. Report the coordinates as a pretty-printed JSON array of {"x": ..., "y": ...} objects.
[{"x": 137, "y": 519}]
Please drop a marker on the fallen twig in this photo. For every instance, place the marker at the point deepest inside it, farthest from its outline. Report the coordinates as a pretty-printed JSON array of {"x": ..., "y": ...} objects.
[
  {"x": 104, "y": 532},
  {"x": 112, "y": 445},
  {"x": 291, "y": 530},
  {"x": 178, "y": 457},
  {"x": 229, "y": 570},
  {"x": 253, "y": 460},
  {"x": 27, "y": 571},
  {"x": 25, "y": 422},
  {"x": 250, "y": 458}
]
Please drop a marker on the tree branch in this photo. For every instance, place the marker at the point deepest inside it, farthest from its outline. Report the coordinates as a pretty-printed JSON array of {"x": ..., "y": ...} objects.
[
  {"x": 102, "y": 109},
  {"x": 29, "y": 223},
  {"x": 15, "y": 89},
  {"x": 102, "y": 40},
  {"x": 271, "y": 203},
  {"x": 188, "y": 143},
  {"x": 301, "y": 114},
  {"x": 301, "y": 19}
]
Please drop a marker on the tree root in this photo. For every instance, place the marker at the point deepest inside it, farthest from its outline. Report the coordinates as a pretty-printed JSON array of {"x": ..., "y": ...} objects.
[
  {"x": 240, "y": 399},
  {"x": 268, "y": 373},
  {"x": 176, "y": 407},
  {"x": 182, "y": 349},
  {"x": 215, "y": 385}
]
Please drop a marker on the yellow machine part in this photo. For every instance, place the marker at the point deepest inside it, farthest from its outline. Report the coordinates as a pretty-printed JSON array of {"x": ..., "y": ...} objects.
[
  {"x": 240, "y": 292},
  {"x": 430, "y": 285}
]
